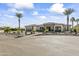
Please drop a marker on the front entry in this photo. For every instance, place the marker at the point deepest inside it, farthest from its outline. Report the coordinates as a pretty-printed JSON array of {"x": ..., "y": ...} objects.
[
  {"x": 58, "y": 29},
  {"x": 49, "y": 28}
]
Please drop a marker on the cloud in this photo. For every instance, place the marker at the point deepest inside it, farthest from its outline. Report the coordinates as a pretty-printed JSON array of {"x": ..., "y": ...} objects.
[
  {"x": 9, "y": 16},
  {"x": 22, "y": 12},
  {"x": 21, "y": 5},
  {"x": 57, "y": 8},
  {"x": 55, "y": 17},
  {"x": 12, "y": 10},
  {"x": 35, "y": 13},
  {"x": 42, "y": 17}
]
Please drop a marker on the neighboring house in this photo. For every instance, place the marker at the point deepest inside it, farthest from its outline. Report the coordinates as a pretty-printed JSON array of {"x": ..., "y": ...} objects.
[{"x": 55, "y": 27}]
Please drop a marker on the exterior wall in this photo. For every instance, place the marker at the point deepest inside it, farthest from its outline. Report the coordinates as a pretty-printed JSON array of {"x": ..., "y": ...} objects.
[
  {"x": 51, "y": 26},
  {"x": 61, "y": 27},
  {"x": 39, "y": 27},
  {"x": 65, "y": 27},
  {"x": 28, "y": 27},
  {"x": 34, "y": 28}
]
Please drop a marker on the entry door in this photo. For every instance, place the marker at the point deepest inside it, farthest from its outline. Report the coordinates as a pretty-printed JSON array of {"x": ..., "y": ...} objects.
[
  {"x": 49, "y": 28},
  {"x": 58, "y": 28}
]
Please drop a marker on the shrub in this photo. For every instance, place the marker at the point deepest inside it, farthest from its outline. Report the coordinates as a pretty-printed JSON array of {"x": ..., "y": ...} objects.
[{"x": 7, "y": 29}]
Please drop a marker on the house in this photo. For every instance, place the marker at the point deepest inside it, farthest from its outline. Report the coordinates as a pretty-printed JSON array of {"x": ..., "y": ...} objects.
[{"x": 55, "y": 27}]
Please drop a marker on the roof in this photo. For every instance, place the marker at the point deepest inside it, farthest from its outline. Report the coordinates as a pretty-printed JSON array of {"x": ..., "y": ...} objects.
[{"x": 49, "y": 23}]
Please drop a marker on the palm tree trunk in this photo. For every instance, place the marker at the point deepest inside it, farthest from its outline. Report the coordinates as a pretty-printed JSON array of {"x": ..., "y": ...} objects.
[
  {"x": 19, "y": 26},
  {"x": 19, "y": 22},
  {"x": 67, "y": 22},
  {"x": 72, "y": 25}
]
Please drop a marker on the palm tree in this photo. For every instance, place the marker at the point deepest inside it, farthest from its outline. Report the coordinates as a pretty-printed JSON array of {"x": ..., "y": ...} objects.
[
  {"x": 19, "y": 15},
  {"x": 72, "y": 20},
  {"x": 77, "y": 20},
  {"x": 67, "y": 12}
]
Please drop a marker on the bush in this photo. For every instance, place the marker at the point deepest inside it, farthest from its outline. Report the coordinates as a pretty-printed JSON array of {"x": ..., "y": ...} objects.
[
  {"x": 46, "y": 30},
  {"x": 77, "y": 28},
  {"x": 7, "y": 29}
]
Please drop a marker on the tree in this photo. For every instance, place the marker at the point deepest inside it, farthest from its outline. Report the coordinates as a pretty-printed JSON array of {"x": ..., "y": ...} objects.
[
  {"x": 67, "y": 12},
  {"x": 77, "y": 20},
  {"x": 72, "y": 20},
  {"x": 19, "y": 15}
]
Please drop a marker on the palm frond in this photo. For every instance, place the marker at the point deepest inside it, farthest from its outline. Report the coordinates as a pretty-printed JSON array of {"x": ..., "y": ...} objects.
[
  {"x": 19, "y": 15},
  {"x": 72, "y": 19},
  {"x": 68, "y": 11}
]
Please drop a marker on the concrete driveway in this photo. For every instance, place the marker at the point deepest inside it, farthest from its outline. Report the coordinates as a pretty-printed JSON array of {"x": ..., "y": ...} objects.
[{"x": 47, "y": 45}]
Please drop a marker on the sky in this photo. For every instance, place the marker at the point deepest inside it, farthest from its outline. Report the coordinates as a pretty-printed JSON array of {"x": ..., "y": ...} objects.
[{"x": 35, "y": 13}]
